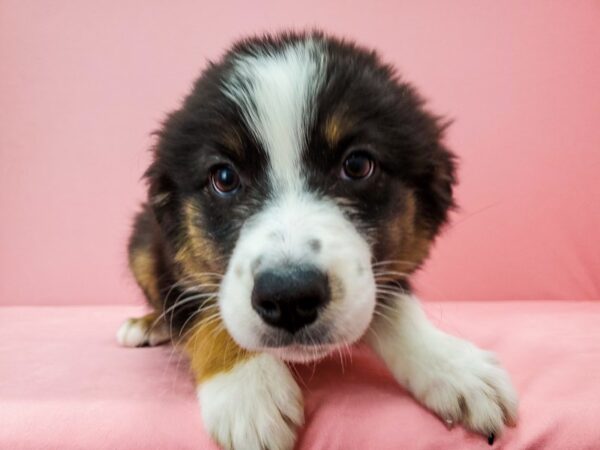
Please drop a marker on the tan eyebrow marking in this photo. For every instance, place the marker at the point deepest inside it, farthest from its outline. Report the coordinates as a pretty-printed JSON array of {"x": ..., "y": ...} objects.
[
  {"x": 336, "y": 125},
  {"x": 233, "y": 141}
]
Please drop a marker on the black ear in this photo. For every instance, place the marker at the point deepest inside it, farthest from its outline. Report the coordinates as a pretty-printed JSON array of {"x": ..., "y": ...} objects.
[
  {"x": 431, "y": 165},
  {"x": 435, "y": 189}
]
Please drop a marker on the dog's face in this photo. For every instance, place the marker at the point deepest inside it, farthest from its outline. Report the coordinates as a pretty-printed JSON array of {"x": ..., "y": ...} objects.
[{"x": 302, "y": 170}]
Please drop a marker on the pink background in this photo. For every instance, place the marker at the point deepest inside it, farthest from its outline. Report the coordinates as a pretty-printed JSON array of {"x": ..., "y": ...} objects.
[{"x": 83, "y": 83}]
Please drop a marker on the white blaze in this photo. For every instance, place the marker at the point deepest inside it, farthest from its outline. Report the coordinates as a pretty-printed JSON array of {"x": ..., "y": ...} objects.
[{"x": 277, "y": 93}]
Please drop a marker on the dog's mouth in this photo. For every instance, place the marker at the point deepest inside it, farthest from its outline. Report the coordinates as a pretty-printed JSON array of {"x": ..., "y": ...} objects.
[
  {"x": 309, "y": 343},
  {"x": 315, "y": 335},
  {"x": 302, "y": 353}
]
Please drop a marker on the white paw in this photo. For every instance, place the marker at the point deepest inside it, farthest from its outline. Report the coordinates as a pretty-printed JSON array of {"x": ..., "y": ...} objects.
[
  {"x": 468, "y": 386},
  {"x": 255, "y": 405},
  {"x": 138, "y": 332}
]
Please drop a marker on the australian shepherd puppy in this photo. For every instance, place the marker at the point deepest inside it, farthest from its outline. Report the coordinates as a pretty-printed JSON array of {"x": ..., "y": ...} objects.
[{"x": 290, "y": 199}]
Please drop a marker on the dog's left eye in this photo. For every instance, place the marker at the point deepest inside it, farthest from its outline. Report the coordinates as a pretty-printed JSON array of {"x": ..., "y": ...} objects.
[
  {"x": 358, "y": 165},
  {"x": 224, "y": 179}
]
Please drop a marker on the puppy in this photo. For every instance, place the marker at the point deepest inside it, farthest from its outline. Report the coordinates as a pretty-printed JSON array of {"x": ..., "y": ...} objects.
[{"x": 291, "y": 197}]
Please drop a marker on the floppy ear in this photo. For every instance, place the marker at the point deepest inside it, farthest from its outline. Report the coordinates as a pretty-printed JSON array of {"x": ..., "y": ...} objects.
[
  {"x": 435, "y": 190},
  {"x": 162, "y": 192},
  {"x": 431, "y": 164}
]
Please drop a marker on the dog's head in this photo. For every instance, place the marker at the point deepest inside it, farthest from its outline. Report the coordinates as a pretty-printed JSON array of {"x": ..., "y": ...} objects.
[{"x": 307, "y": 174}]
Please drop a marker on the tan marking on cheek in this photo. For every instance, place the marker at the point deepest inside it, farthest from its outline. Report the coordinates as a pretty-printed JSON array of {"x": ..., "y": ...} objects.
[
  {"x": 197, "y": 255},
  {"x": 409, "y": 243},
  {"x": 212, "y": 350},
  {"x": 142, "y": 265}
]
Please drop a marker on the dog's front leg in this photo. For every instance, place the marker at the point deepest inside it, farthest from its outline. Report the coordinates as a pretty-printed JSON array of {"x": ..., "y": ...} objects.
[
  {"x": 248, "y": 400},
  {"x": 452, "y": 377}
]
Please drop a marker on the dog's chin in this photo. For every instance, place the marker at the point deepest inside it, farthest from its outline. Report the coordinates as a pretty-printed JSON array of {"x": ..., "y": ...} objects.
[
  {"x": 302, "y": 353},
  {"x": 307, "y": 345}
]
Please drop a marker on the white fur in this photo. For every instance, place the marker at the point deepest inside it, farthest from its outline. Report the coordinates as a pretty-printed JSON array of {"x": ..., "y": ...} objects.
[
  {"x": 256, "y": 405},
  {"x": 135, "y": 332},
  {"x": 276, "y": 93},
  {"x": 452, "y": 377},
  {"x": 281, "y": 234}
]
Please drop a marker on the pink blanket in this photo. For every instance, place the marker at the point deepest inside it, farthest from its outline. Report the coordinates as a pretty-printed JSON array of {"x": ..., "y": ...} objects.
[{"x": 65, "y": 384}]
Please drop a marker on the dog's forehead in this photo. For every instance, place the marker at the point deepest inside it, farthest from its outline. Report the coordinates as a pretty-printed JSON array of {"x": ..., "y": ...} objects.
[{"x": 276, "y": 92}]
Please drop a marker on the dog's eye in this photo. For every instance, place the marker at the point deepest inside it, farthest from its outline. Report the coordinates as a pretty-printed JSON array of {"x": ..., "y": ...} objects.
[
  {"x": 358, "y": 165},
  {"x": 224, "y": 179}
]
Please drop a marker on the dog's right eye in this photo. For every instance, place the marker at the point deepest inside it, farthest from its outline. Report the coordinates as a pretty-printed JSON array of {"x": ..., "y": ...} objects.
[
  {"x": 358, "y": 165},
  {"x": 224, "y": 179}
]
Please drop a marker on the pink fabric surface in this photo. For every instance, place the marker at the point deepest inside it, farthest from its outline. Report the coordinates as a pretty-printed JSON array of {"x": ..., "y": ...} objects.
[
  {"x": 65, "y": 384},
  {"x": 83, "y": 83}
]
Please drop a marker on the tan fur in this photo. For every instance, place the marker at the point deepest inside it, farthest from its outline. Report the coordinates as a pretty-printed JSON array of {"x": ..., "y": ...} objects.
[
  {"x": 410, "y": 241},
  {"x": 209, "y": 346},
  {"x": 233, "y": 141},
  {"x": 336, "y": 286},
  {"x": 212, "y": 350},
  {"x": 197, "y": 255},
  {"x": 148, "y": 321},
  {"x": 335, "y": 127},
  {"x": 142, "y": 263}
]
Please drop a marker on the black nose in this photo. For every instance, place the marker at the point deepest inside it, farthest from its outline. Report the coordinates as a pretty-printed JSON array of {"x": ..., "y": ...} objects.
[{"x": 290, "y": 298}]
